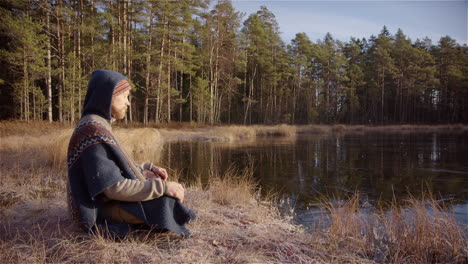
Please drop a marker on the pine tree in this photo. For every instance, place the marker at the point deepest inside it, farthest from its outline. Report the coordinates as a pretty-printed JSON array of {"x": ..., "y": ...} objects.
[
  {"x": 264, "y": 48},
  {"x": 381, "y": 69},
  {"x": 220, "y": 50},
  {"x": 187, "y": 60},
  {"x": 26, "y": 59},
  {"x": 354, "y": 52},
  {"x": 452, "y": 72},
  {"x": 302, "y": 52},
  {"x": 413, "y": 74},
  {"x": 331, "y": 63}
]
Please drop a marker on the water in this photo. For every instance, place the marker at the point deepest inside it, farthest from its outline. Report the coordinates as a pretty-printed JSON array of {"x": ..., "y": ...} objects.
[{"x": 382, "y": 166}]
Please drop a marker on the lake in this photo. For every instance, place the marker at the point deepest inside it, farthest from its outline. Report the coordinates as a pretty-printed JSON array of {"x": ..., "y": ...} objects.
[{"x": 381, "y": 166}]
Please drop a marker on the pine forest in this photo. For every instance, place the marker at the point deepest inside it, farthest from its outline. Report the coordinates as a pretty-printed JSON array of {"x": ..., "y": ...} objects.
[{"x": 204, "y": 62}]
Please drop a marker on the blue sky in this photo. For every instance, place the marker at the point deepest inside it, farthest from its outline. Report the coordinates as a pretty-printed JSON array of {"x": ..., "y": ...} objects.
[{"x": 344, "y": 19}]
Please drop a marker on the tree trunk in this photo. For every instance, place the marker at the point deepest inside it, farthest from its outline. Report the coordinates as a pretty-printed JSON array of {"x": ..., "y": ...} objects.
[
  {"x": 169, "y": 80},
  {"x": 34, "y": 104},
  {"x": 119, "y": 36},
  {"x": 248, "y": 109},
  {"x": 382, "y": 96},
  {"x": 181, "y": 96},
  {"x": 327, "y": 107},
  {"x": 49, "y": 70},
  {"x": 92, "y": 36},
  {"x": 181, "y": 82},
  {"x": 61, "y": 52},
  {"x": 218, "y": 42},
  {"x": 244, "y": 93},
  {"x": 80, "y": 21},
  {"x": 211, "y": 86},
  {"x": 191, "y": 97},
  {"x": 293, "y": 119},
  {"x": 130, "y": 109},
  {"x": 125, "y": 33},
  {"x": 72, "y": 99},
  {"x": 134, "y": 114},
  {"x": 161, "y": 54},
  {"x": 112, "y": 33},
  {"x": 25, "y": 86},
  {"x": 148, "y": 71}
]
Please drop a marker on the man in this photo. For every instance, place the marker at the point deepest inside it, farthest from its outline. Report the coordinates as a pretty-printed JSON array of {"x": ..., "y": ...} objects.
[{"x": 107, "y": 189}]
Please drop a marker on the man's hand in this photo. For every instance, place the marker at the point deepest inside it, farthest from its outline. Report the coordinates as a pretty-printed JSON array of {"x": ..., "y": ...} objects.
[
  {"x": 149, "y": 175},
  {"x": 159, "y": 172},
  {"x": 175, "y": 190}
]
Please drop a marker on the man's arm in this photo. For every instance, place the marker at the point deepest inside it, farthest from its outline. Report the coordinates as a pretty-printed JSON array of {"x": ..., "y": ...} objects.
[
  {"x": 103, "y": 175},
  {"x": 150, "y": 171},
  {"x": 136, "y": 191}
]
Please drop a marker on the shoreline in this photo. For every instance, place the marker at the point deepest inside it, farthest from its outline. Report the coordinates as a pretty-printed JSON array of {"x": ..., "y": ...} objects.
[{"x": 15, "y": 127}]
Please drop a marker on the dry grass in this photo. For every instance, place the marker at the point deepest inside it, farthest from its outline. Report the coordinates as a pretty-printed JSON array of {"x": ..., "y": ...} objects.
[
  {"x": 419, "y": 128},
  {"x": 33, "y": 128},
  {"x": 239, "y": 233},
  {"x": 276, "y": 131},
  {"x": 143, "y": 144},
  {"x": 233, "y": 187},
  {"x": 229, "y": 133},
  {"x": 234, "y": 225},
  {"x": 339, "y": 128},
  {"x": 172, "y": 125},
  {"x": 422, "y": 231},
  {"x": 185, "y": 131}
]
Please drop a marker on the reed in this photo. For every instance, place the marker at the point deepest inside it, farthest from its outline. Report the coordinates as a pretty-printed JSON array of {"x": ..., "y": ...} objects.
[
  {"x": 282, "y": 130},
  {"x": 234, "y": 187},
  {"x": 418, "y": 128},
  {"x": 232, "y": 133},
  {"x": 419, "y": 231},
  {"x": 313, "y": 129}
]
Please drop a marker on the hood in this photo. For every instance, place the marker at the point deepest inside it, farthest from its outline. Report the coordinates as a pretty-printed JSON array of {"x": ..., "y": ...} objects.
[{"x": 99, "y": 95}]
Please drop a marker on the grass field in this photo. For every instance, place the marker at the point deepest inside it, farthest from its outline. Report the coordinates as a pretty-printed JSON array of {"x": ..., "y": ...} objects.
[{"x": 234, "y": 224}]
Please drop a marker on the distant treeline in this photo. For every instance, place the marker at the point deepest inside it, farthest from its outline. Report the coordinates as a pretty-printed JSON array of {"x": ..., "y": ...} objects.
[{"x": 192, "y": 61}]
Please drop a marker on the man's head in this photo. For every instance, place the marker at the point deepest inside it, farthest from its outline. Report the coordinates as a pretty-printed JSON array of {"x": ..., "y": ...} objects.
[
  {"x": 107, "y": 95},
  {"x": 120, "y": 102}
]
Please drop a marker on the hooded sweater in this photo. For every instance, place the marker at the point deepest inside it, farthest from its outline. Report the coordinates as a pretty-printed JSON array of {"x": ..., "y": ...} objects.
[{"x": 98, "y": 167}]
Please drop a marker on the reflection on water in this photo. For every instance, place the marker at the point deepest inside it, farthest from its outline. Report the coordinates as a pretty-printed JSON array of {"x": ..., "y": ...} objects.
[{"x": 381, "y": 165}]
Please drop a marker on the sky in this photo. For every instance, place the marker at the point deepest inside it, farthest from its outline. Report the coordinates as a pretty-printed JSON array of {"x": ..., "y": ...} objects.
[{"x": 346, "y": 19}]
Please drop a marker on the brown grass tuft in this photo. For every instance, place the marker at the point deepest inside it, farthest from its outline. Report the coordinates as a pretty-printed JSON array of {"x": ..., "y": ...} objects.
[
  {"x": 232, "y": 133},
  {"x": 420, "y": 232},
  {"x": 282, "y": 130},
  {"x": 233, "y": 187}
]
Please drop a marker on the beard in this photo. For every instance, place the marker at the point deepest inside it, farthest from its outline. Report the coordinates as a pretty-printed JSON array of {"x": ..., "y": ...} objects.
[{"x": 119, "y": 113}]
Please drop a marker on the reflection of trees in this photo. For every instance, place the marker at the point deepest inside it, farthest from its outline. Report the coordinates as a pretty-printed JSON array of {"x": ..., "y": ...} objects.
[{"x": 379, "y": 164}]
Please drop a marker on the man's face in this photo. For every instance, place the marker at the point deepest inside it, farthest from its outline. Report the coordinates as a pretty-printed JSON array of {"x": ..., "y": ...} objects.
[{"x": 120, "y": 105}]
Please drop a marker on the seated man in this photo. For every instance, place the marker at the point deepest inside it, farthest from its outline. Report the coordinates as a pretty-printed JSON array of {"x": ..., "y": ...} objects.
[{"x": 107, "y": 188}]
